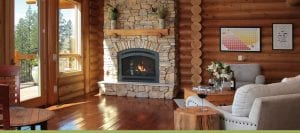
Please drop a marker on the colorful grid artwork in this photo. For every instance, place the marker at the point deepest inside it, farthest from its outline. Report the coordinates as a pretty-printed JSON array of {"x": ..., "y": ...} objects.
[{"x": 240, "y": 39}]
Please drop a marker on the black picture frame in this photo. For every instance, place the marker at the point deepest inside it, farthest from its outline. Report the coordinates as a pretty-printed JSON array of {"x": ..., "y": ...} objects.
[
  {"x": 240, "y": 42},
  {"x": 288, "y": 42}
]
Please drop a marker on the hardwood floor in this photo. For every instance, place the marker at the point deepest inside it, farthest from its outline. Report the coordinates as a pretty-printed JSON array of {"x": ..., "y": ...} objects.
[{"x": 113, "y": 113}]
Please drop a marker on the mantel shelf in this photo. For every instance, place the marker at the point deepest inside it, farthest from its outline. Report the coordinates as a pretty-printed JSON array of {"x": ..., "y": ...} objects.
[{"x": 137, "y": 32}]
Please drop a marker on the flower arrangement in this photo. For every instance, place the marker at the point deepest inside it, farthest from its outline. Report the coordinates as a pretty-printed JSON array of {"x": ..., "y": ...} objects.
[
  {"x": 219, "y": 71},
  {"x": 113, "y": 12}
]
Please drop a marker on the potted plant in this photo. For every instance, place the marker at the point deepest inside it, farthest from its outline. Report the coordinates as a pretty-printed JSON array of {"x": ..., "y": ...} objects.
[
  {"x": 162, "y": 14},
  {"x": 113, "y": 13}
]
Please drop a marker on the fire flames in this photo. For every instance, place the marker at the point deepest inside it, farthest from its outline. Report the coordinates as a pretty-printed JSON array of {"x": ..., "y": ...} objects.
[{"x": 141, "y": 67}]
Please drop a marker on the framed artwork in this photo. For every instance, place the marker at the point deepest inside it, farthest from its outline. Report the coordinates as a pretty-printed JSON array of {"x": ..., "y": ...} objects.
[
  {"x": 239, "y": 39},
  {"x": 282, "y": 36}
]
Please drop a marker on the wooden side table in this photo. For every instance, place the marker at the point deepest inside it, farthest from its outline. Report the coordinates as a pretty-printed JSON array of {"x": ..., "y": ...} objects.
[
  {"x": 221, "y": 98},
  {"x": 217, "y": 98},
  {"x": 196, "y": 119}
]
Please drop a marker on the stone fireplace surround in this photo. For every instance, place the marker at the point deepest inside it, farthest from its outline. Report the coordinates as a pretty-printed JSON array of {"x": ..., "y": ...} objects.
[{"x": 137, "y": 14}]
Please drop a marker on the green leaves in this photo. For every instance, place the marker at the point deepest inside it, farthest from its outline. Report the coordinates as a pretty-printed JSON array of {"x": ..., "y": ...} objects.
[
  {"x": 161, "y": 12},
  {"x": 113, "y": 12},
  {"x": 27, "y": 33}
]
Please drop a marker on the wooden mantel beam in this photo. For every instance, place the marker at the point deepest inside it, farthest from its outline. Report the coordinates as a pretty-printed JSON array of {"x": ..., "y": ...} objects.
[
  {"x": 137, "y": 32},
  {"x": 293, "y": 2}
]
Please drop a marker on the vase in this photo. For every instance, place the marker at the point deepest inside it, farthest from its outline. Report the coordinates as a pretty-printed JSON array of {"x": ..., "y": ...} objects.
[
  {"x": 161, "y": 23},
  {"x": 113, "y": 24},
  {"x": 35, "y": 74},
  {"x": 218, "y": 85}
]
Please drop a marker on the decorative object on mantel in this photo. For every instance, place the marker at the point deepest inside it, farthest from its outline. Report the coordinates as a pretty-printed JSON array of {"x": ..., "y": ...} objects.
[
  {"x": 282, "y": 36},
  {"x": 293, "y": 2},
  {"x": 235, "y": 39},
  {"x": 162, "y": 14},
  {"x": 137, "y": 32},
  {"x": 220, "y": 73},
  {"x": 113, "y": 13}
]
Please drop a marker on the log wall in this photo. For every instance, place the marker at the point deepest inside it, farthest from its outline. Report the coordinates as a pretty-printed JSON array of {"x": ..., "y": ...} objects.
[
  {"x": 184, "y": 43},
  {"x": 275, "y": 64},
  {"x": 1, "y": 32},
  {"x": 80, "y": 84},
  {"x": 96, "y": 43}
]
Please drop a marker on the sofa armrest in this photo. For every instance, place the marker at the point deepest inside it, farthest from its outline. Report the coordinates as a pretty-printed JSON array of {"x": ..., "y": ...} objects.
[
  {"x": 276, "y": 112},
  {"x": 260, "y": 79},
  {"x": 227, "y": 118}
]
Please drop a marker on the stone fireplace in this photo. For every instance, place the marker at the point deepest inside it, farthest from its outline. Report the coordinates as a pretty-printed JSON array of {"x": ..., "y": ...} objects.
[{"x": 139, "y": 65}]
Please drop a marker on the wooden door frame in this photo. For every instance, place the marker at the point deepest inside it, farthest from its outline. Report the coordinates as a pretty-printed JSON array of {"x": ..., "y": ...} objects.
[
  {"x": 8, "y": 28},
  {"x": 48, "y": 80},
  {"x": 43, "y": 58},
  {"x": 52, "y": 51},
  {"x": 86, "y": 44},
  {"x": 2, "y": 57}
]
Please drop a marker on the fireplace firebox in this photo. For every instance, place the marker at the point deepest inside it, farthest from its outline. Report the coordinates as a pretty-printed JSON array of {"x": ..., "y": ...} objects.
[{"x": 138, "y": 65}]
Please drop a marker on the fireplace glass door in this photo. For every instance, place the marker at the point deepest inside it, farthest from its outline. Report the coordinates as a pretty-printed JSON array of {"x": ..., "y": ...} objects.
[{"x": 138, "y": 65}]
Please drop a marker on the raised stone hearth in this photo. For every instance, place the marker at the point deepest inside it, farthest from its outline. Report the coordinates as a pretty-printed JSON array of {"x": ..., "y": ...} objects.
[
  {"x": 138, "y": 14},
  {"x": 133, "y": 89}
]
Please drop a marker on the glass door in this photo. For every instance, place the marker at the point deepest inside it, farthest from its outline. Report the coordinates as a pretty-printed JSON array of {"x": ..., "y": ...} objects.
[{"x": 27, "y": 50}]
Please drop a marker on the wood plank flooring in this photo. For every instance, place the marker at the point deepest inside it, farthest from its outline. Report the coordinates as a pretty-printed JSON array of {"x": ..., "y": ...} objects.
[{"x": 96, "y": 112}]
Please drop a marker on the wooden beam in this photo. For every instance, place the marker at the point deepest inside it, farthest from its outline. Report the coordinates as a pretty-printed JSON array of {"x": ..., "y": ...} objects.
[{"x": 137, "y": 32}]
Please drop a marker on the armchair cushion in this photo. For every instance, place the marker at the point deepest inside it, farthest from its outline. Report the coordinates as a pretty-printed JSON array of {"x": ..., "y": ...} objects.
[
  {"x": 290, "y": 79},
  {"x": 245, "y": 72},
  {"x": 245, "y": 96},
  {"x": 260, "y": 79}
]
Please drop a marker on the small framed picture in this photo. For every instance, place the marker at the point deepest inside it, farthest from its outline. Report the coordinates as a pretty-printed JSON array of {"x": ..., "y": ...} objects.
[
  {"x": 240, "y": 39},
  {"x": 283, "y": 36}
]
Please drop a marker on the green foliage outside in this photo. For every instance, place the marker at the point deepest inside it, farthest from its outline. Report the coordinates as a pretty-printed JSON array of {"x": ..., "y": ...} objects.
[
  {"x": 27, "y": 37},
  {"x": 65, "y": 33}
]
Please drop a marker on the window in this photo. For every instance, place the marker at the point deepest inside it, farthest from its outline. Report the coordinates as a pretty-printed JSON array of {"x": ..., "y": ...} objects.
[{"x": 70, "y": 44}]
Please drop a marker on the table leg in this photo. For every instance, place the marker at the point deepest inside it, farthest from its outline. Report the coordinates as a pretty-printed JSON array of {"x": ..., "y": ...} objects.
[
  {"x": 32, "y": 127},
  {"x": 44, "y": 125},
  {"x": 19, "y": 128}
]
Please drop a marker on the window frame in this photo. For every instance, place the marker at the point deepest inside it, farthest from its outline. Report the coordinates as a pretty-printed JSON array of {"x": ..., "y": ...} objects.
[{"x": 79, "y": 54}]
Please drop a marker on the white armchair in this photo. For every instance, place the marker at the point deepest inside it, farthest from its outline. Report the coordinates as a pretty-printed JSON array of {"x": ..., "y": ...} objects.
[
  {"x": 247, "y": 74},
  {"x": 260, "y": 107}
]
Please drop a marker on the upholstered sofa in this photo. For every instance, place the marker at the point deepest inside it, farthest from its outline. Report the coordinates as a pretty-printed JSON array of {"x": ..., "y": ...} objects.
[
  {"x": 260, "y": 107},
  {"x": 247, "y": 74}
]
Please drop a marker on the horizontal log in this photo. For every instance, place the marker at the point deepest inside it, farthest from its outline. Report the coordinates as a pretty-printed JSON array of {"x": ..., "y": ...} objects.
[
  {"x": 228, "y": 7},
  {"x": 293, "y": 2},
  {"x": 250, "y": 57},
  {"x": 241, "y": 1},
  {"x": 72, "y": 95},
  {"x": 252, "y": 15},
  {"x": 266, "y": 31},
  {"x": 249, "y": 22},
  {"x": 68, "y": 89},
  {"x": 70, "y": 79}
]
